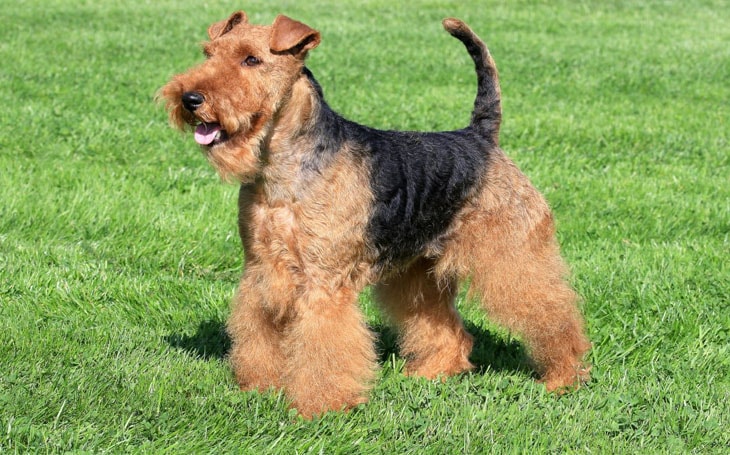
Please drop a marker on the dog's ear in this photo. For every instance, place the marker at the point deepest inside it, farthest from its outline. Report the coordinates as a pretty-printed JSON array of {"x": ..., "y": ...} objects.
[
  {"x": 221, "y": 28},
  {"x": 288, "y": 35}
]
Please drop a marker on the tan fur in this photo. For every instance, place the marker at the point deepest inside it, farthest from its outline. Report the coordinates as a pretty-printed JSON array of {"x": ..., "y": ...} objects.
[{"x": 506, "y": 243}]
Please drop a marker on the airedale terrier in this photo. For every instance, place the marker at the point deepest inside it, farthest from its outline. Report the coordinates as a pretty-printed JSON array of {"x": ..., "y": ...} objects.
[{"x": 328, "y": 206}]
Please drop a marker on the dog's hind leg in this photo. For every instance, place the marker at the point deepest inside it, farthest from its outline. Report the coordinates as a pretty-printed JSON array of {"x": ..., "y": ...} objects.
[
  {"x": 431, "y": 335},
  {"x": 506, "y": 244}
]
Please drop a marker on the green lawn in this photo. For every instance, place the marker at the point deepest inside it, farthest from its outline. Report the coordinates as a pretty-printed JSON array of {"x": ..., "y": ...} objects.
[{"x": 119, "y": 252}]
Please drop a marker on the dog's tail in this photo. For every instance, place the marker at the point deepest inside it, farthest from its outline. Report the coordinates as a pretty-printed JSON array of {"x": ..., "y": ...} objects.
[{"x": 487, "y": 114}]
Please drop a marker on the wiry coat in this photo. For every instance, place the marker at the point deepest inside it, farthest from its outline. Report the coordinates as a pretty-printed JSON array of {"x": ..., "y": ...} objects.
[{"x": 328, "y": 206}]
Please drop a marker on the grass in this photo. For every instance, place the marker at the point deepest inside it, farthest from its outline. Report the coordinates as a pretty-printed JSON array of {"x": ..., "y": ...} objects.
[{"x": 119, "y": 253}]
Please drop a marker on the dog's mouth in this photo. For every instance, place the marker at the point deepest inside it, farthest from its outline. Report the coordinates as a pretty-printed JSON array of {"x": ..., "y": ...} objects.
[{"x": 210, "y": 134}]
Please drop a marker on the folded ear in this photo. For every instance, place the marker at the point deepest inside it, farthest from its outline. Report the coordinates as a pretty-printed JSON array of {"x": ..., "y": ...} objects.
[
  {"x": 221, "y": 28},
  {"x": 288, "y": 35}
]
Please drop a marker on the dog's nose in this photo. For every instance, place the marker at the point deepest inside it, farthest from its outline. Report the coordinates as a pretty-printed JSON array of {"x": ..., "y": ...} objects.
[{"x": 192, "y": 100}]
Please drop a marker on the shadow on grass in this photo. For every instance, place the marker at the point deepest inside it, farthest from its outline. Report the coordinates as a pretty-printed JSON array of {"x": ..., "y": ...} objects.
[
  {"x": 490, "y": 353},
  {"x": 210, "y": 341}
]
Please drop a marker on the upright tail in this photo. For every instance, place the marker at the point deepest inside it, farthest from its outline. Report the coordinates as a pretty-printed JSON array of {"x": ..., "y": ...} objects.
[{"x": 487, "y": 114}]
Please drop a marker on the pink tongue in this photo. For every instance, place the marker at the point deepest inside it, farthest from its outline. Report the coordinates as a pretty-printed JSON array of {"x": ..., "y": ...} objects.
[{"x": 206, "y": 133}]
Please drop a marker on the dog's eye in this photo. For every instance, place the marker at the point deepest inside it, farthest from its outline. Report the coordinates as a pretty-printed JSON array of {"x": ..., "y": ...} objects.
[{"x": 250, "y": 61}]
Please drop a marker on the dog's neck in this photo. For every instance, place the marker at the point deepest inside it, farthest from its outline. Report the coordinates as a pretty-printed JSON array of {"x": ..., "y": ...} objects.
[{"x": 287, "y": 145}]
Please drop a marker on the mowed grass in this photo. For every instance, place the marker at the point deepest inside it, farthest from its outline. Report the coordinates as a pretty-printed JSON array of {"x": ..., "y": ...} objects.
[{"x": 119, "y": 253}]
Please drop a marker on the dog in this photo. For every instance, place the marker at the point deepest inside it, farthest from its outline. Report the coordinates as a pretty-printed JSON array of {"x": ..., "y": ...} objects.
[{"x": 328, "y": 206}]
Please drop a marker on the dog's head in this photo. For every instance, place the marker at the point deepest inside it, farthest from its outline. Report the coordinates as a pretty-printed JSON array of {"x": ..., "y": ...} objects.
[{"x": 230, "y": 101}]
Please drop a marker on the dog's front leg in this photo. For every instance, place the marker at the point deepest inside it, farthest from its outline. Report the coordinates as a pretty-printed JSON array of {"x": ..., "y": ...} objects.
[
  {"x": 256, "y": 334},
  {"x": 329, "y": 351}
]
